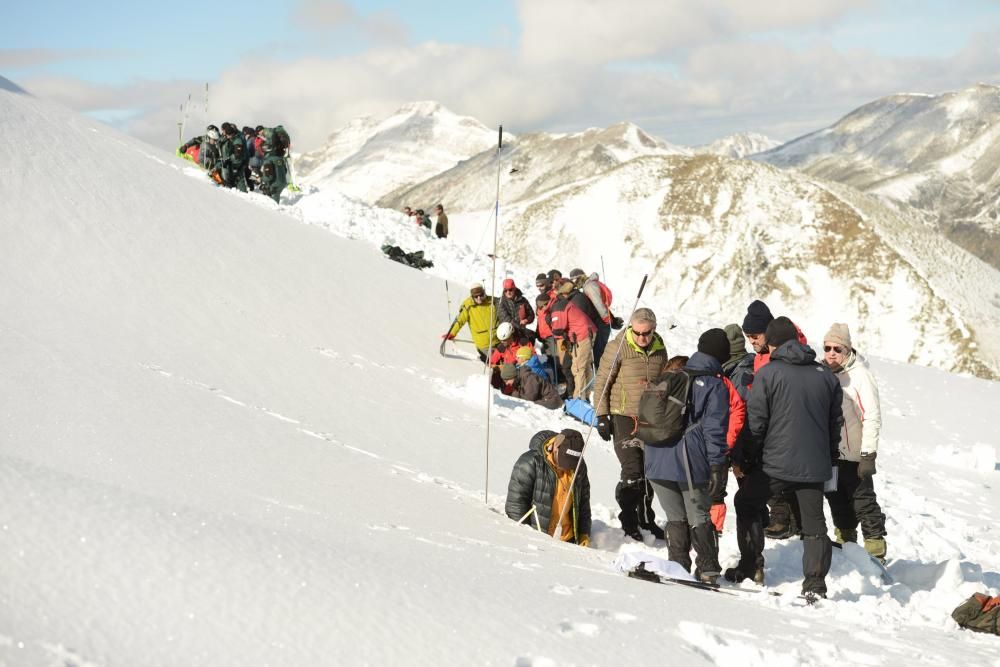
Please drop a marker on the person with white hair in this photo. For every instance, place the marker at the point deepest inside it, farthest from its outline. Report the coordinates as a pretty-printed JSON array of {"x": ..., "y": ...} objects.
[{"x": 854, "y": 499}]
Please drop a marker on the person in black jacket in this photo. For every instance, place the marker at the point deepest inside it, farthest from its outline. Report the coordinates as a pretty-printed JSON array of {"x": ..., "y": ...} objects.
[
  {"x": 794, "y": 416},
  {"x": 539, "y": 486}
]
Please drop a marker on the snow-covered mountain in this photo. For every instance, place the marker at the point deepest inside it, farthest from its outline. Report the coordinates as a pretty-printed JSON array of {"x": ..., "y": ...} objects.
[
  {"x": 715, "y": 233},
  {"x": 742, "y": 144},
  {"x": 229, "y": 439},
  {"x": 368, "y": 157},
  {"x": 937, "y": 153},
  {"x": 533, "y": 164}
]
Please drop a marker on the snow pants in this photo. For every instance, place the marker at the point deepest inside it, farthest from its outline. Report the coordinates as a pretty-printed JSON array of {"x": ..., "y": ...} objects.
[
  {"x": 854, "y": 501},
  {"x": 583, "y": 367},
  {"x": 688, "y": 523},
  {"x": 751, "y": 509},
  {"x": 633, "y": 492}
]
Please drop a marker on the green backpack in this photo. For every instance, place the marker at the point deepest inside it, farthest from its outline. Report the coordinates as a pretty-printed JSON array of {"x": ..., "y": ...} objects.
[{"x": 970, "y": 615}]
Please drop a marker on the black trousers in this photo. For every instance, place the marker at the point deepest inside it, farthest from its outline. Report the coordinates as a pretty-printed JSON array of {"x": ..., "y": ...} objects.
[
  {"x": 633, "y": 493},
  {"x": 854, "y": 501},
  {"x": 751, "y": 512}
]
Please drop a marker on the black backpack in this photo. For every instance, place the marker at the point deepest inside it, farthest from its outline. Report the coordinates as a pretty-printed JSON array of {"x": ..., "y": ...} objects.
[{"x": 664, "y": 407}]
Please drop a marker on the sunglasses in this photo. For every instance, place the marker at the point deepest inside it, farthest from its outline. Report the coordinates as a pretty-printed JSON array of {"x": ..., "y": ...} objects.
[
  {"x": 644, "y": 334},
  {"x": 833, "y": 348},
  {"x": 478, "y": 296}
]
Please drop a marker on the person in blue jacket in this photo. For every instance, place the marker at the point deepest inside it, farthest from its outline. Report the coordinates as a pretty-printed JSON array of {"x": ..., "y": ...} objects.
[{"x": 683, "y": 470}]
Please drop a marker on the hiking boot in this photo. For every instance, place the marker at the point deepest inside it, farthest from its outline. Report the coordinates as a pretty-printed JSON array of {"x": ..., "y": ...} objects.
[
  {"x": 737, "y": 575},
  {"x": 778, "y": 531},
  {"x": 710, "y": 578},
  {"x": 842, "y": 535},
  {"x": 876, "y": 547},
  {"x": 633, "y": 533},
  {"x": 654, "y": 530}
]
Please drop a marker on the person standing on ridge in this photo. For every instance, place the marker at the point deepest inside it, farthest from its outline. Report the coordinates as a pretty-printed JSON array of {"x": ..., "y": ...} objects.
[{"x": 441, "y": 228}]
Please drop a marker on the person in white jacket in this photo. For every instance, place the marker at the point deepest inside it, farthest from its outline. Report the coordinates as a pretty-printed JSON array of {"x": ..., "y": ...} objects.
[{"x": 854, "y": 500}]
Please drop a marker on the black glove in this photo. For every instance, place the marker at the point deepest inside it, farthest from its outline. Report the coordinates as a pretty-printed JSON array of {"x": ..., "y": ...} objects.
[
  {"x": 866, "y": 468},
  {"x": 604, "y": 427},
  {"x": 717, "y": 482},
  {"x": 617, "y": 323}
]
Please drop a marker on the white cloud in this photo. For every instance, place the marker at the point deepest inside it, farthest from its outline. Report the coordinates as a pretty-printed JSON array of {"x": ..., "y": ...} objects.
[{"x": 603, "y": 31}]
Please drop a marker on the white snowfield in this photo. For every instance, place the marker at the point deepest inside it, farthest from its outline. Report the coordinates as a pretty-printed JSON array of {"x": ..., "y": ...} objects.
[{"x": 228, "y": 439}]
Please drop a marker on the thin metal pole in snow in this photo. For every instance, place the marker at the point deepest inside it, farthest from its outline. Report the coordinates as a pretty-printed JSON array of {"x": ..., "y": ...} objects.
[
  {"x": 600, "y": 397},
  {"x": 489, "y": 352}
]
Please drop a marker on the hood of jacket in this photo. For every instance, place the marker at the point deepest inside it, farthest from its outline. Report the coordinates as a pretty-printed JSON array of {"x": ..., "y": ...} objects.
[
  {"x": 794, "y": 352},
  {"x": 702, "y": 362}
]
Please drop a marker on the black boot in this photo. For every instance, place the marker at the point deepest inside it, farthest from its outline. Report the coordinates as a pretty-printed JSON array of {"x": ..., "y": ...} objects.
[
  {"x": 706, "y": 548},
  {"x": 679, "y": 543},
  {"x": 629, "y": 495},
  {"x": 647, "y": 518},
  {"x": 783, "y": 524}
]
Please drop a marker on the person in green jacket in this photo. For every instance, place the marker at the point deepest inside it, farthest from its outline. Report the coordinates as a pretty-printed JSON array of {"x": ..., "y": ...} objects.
[
  {"x": 233, "y": 157},
  {"x": 273, "y": 174},
  {"x": 479, "y": 311}
]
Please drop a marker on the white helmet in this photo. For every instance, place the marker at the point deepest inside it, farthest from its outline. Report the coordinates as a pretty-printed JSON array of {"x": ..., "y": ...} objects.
[{"x": 505, "y": 330}]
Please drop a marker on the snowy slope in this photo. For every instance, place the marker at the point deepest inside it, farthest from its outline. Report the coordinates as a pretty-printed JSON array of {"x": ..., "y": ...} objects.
[
  {"x": 533, "y": 164},
  {"x": 368, "y": 158},
  {"x": 229, "y": 440},
  {"x": 938, "y": 153},
  {"x": 742, "y": 144}
]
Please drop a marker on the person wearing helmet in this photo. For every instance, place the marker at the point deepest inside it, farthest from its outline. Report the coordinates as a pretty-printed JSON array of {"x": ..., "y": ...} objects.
[
  {"x": 479, "y": 311},
  {"x": 208, "y": 150},
  {"x": 509, "y": 341}
]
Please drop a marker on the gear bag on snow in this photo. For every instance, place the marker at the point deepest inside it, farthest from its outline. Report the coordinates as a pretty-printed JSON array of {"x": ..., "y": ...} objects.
[
  {"x": 980, "y": 613},
  {"x": 581, "y": 410},
  {"x": 664, "y": 406}
]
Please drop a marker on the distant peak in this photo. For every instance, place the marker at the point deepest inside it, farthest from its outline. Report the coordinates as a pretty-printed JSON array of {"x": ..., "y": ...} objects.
[{"x": 423, "y": 108}]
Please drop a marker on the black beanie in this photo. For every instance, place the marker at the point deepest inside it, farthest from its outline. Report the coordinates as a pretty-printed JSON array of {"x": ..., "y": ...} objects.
[
  {"x": 780, "y": 331},
  {"x": 757, "y": 319},
  {"x": 715, "y": 343}
]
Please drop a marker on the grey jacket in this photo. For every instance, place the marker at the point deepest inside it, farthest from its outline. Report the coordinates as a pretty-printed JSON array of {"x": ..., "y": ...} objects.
[{"x": 794, "y": 415}]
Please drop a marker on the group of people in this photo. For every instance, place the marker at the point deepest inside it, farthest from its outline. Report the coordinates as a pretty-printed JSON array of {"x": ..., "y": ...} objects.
[
  {"x": 247, "y": 159},
  {"x": 572, "y": 320},
  {"x": 792, "y": 427},
  {"x": 424, "y": 220}
]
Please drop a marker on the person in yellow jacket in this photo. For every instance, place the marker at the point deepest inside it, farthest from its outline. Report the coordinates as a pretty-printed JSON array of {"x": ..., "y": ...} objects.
[{"x": 479, "y": 311}]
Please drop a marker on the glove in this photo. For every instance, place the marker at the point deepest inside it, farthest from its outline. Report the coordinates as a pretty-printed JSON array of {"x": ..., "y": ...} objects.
[
  {"x": 617, "y": 323},
  {"x": 717, "y": 482},
  {"x": 604, "y": 427},
  {"x": 718, "y": 516},
  {"x": 584, "y": 541},
  {"x": 448, "y": 336},
  {"x": 867, "y": 466}
]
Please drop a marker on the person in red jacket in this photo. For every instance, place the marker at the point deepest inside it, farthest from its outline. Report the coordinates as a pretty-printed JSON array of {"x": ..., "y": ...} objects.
[
  {"x": 505, "y": 351},
  {"x": 715, "y": 343},
  {"x": 571, "y": 325}
]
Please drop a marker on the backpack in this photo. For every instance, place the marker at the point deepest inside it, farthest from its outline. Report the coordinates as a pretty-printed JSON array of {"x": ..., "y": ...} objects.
[
  {"x": 555, "y": 317},
  {"x": 664, "y": 407},
  {"x": 972, "y": 616}
]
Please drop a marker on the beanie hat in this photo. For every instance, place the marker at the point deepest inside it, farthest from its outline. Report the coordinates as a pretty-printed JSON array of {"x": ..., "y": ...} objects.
[
  {"x": 524, "y": 353},
  {"x": 568, "y": 447},
  {"x": 508, "y": 371},
  {"x": 566, "y": 287},
  {"x": 542, "y": 299},
  {"x": 715, "y": 343},
  {"x": 477, "y": 290},
  {"x": 737, "y": 344},
  {"x": 576, "y": 273},
  {"x": 541, "y": 278},
  {"x": 840, "y": 335},
  {"x": 757, "y": 319},
  {"x": 508, "y": 283},
  {"x": 554, "y": 274},
  {"x": 780, "y": 331}
]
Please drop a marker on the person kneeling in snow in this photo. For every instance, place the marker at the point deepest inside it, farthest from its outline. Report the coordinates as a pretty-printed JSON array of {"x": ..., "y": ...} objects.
[
  {"x": 539, "y": 486},
  {"x": 521, "y": 382}
]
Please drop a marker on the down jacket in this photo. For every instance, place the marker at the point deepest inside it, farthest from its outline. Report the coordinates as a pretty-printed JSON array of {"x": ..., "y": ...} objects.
[
  {"x": 636, "y": 368},
  {"x": 862, "y": 412},
  {"x": 794, "y": 414},
  {"x": 516, "y": 309},
  {"x": 704, "y": 441},
  {"x": 533, "y": 483}
]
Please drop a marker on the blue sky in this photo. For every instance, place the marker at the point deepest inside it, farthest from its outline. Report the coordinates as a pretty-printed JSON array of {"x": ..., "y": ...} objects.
[{"x": 689, "y": 72}]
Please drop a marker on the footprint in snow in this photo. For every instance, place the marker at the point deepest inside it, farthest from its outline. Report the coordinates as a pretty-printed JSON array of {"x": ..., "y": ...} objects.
[
  {"x": 568, "y": 628},
  {"x": 534, "y": 661},
  {"x": 607, "y": 614}
]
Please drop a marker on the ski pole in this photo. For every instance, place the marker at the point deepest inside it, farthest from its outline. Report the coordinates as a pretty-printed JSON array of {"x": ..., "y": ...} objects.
[
  {"x": 607, "y": 382},
  {"x": 489, "y": 352}
]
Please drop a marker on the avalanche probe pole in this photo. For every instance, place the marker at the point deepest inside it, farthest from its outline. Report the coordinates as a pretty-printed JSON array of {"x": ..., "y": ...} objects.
[
  {"x": 489, "y": 352},
  {"x": 600, "y": 397}
]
